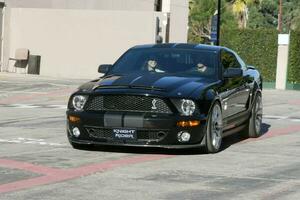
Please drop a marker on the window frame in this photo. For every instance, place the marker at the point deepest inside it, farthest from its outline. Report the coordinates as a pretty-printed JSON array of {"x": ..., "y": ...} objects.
[
  {"x": 214, "y": 63},
  {"x": 232, "y": 54}
]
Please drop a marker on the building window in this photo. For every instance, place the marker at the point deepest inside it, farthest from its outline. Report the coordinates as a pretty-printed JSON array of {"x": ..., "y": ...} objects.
[{"x": 158, "y": 5}]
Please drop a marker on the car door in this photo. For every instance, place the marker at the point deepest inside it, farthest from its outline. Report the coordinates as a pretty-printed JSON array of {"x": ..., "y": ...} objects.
[{"x": 236, "y": 89}]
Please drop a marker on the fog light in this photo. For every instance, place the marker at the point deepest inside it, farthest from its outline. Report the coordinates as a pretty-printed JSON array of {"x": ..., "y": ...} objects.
[
  {"x": 183, "y": 136},
  {"x": 74, "y": 119},
  {"x": 76, "y": 132},
  {"x": 188, "y": 123}
]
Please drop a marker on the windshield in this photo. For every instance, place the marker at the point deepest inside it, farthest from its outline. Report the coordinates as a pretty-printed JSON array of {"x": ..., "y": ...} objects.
[{"x": 170, "y": 61}]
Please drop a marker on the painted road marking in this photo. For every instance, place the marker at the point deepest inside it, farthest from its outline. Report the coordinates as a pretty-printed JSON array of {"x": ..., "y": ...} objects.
[
  {"x": 18, "y": 98},
  {"x": 54, "y": 175},
  {"x": 30, "y": 141},
  {"x": 274, "y": 133},
  {"x": 37, "y": 169},
  {"x": 277, "y": 117},
  {"x": 34, "y": 106},
  {"x": 22, "y": 92},
  {"x": 57, "y": 106},
  {"x": 295, "y": 102},
  {"x": 23, "y": 106}
]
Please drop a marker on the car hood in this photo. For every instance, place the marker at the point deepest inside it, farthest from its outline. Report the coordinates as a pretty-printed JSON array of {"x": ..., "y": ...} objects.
[{"x": 173, "y": 85}]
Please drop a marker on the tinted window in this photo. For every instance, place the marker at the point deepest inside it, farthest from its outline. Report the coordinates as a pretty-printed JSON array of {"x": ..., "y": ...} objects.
[
  {"x": 229, "y": 60},
  {"x": 163, "y": 60}
]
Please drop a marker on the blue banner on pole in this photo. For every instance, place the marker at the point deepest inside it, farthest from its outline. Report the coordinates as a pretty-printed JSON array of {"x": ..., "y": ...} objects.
[
  {"x": 213, "y": 36},
  {"x": 214, "y": 29}
]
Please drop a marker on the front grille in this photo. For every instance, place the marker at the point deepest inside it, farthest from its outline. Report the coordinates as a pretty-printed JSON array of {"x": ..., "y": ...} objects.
[
  {"x": 142, "y": 135},
  {"x": 127, "y": 103},
  {"x": 100, "y": 133}
]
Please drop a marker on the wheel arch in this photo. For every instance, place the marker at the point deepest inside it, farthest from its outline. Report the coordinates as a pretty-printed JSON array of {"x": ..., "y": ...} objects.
[
  {"x": 210, "y": 98},
  {"x": 256, "y": 90}
]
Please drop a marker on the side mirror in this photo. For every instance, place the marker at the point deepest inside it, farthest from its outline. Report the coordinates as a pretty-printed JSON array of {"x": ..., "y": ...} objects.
[
  {"x": 104, "y": 68},
  {"x": 233, "y": 72}
]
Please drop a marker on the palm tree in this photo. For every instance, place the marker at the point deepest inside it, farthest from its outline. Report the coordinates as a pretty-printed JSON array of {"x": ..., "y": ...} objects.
[
  {"x": 200, "y": 15},
  {"x": 240, "y": 9}
]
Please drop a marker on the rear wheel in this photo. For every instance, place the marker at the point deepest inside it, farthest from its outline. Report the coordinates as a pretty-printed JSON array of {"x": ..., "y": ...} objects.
[
  {"x": 253, "y": 128},
  {"x": 214, "y": 130}
]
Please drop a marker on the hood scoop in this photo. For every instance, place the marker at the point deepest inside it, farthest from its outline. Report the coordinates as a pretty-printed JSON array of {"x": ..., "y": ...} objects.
[{"x": 141, "y": 87}]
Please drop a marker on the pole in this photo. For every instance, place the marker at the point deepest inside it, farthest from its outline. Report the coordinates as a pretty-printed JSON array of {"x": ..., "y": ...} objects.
[
  {"x": 280, "y": 17},
  {"x": 219, "y": 23}
]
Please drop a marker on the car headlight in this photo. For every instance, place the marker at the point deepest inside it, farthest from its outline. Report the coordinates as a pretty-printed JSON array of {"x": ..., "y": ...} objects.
[
  {"x": 78, "y": 102},
  {"x": 187, "y": 107}
]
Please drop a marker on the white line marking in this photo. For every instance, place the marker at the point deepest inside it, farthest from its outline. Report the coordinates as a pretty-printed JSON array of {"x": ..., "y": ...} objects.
[
  {"x": 59, "y": 84},
  {"x": 295, "y": 120},
  {"x": 64, "y": 107},
  {"x": 30, "y": 141},
  {"x": 56, "y": 106},
  {"x": 22, "y": 92},
  {"x": 24, "y": 106},
  {"x": 275, "y": 117}
]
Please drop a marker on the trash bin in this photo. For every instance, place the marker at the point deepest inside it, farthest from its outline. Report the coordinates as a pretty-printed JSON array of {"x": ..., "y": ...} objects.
[{"x": 34, "y": 62}]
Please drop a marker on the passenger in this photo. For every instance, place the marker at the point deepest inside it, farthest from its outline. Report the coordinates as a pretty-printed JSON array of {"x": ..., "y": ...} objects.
[{"x": 201, "y": 67}]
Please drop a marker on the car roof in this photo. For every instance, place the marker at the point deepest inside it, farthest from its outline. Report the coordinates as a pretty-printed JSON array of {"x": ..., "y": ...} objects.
[{"x": 181, "y": 46}]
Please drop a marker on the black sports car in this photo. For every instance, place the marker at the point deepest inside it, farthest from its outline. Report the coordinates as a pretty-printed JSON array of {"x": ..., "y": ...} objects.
[{"x": 168, "y": 95}]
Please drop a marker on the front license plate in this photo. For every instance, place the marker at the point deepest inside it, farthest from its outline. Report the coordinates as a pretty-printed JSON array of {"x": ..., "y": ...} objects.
[{"x": 124, "y": 134}]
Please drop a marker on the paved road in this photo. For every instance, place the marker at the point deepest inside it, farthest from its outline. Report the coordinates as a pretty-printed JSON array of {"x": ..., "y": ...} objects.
[{"x": 36, "y": 161}]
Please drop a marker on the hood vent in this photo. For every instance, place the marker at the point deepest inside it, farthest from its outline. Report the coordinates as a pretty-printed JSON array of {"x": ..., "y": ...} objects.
[{"x": 141, "y": 87}]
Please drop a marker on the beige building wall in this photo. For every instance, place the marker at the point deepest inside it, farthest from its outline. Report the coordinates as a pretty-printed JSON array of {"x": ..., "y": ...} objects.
[
  {"x": 140, "y": 5},
  {"x": 179, "y": 10},
  {"x": 73, "y": 42}
]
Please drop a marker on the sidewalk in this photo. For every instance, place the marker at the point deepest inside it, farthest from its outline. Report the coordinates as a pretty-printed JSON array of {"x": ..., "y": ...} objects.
[
  {"x": 30, "y": 89},
  {"x": 8, "y": 75}
]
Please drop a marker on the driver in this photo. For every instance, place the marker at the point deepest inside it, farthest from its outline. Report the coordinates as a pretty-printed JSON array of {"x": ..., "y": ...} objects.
[{"x": 152, "y": 66}]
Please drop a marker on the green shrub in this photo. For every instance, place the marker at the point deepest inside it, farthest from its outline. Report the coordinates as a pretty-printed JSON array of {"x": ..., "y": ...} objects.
[
  {"x": 294, "y": 58},
  {"x": 257, "y": 47}
]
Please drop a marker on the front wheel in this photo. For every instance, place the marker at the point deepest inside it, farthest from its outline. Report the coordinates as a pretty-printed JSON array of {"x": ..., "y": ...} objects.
[{"x": 214, "y": 130}]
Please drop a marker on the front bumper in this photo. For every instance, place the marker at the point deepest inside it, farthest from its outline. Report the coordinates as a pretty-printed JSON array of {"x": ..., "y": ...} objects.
[{"x": 153, "y": 130}]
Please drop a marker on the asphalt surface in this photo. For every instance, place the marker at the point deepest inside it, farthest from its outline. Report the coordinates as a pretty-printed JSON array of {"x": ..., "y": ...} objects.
[{"x": 36, "y": 161}]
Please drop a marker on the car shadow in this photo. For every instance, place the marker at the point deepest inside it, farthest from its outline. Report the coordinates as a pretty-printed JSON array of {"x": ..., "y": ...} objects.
[
  {"x": 144, "y": 150},
  {"x": 238, "y": 137},
  {"x": 265, "y": 128},
  {"x": 227, "y": 142}
]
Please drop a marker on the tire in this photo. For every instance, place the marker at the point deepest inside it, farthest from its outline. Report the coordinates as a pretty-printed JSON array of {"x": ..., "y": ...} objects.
[
  {"x": 214, "y": 130},
  {"x": 253, "y": 128}
]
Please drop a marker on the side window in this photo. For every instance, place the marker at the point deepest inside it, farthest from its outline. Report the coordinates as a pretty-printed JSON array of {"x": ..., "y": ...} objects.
[
  {"x": 244, "y": 66},
  {"x": 229, "y": 60}
]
